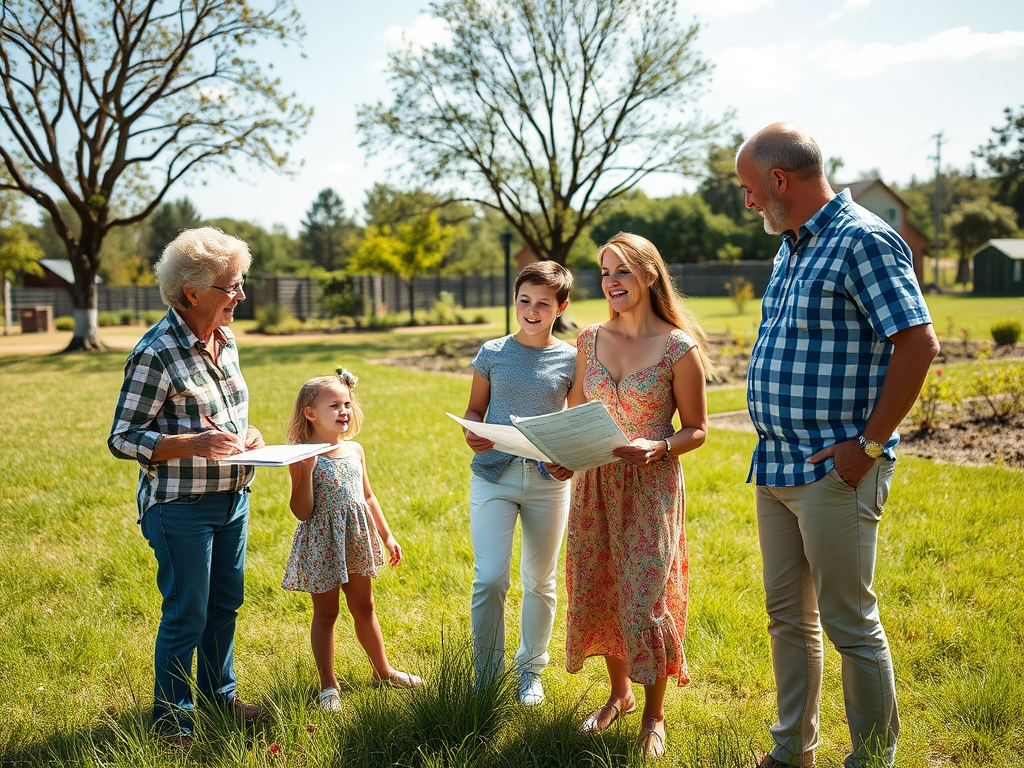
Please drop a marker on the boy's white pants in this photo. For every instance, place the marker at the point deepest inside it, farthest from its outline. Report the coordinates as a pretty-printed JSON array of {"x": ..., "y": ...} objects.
[{"x": 543, "y": 506}]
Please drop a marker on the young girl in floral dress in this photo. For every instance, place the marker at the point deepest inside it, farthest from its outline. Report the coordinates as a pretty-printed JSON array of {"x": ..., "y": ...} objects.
[{"x": 336, "y": 546}]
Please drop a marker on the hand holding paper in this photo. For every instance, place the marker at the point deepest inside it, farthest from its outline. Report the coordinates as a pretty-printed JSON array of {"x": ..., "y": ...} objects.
[
  {"x": 278, "y": 455},
  {"x": 577, "y": 438}
]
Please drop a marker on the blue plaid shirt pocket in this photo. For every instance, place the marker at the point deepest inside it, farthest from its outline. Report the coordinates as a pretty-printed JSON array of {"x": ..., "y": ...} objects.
[{"x": 820, "y": 304}]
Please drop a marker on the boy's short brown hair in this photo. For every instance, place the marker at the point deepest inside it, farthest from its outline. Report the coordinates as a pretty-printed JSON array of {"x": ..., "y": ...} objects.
[{"x": 549, "y": 273}]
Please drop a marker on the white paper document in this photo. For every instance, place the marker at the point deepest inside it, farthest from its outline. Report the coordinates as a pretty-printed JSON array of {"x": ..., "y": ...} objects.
[
  {"x": 278, "y": 455},
  {"x": 506, "y": 439},
  {"x": 578, "y": 438}
]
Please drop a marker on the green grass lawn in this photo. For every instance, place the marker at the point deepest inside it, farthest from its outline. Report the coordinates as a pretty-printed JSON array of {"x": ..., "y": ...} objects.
[{"x": 79, "y": 605}]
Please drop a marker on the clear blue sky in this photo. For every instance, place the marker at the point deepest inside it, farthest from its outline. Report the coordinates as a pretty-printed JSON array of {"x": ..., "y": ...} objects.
[{"x": 872, "y": 80}]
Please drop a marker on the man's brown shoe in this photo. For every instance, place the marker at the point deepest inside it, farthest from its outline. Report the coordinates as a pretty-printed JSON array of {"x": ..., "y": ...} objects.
[
  {"x": 770, "y": 762},
  {"x": 179, "y": 740},
  {"x": 247, "y": 712}
]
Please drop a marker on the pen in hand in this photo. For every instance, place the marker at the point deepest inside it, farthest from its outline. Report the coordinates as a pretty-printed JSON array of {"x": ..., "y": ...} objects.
[{"x": 218, "y": 443}]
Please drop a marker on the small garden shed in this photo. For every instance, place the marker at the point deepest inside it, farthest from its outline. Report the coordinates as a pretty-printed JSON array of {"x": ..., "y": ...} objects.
[{"x": 999, "y": 268}]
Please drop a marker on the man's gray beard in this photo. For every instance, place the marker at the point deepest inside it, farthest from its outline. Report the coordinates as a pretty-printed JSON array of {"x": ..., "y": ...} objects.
[{"x": 773, "y": 214}]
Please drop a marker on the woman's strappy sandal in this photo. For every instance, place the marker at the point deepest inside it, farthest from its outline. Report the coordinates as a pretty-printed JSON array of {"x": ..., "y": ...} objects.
[
  {"x": 398, "y": 679},
  {"x": 651, "y": 743},
  {"x": 592, "y": 723},
  {"x": 329, "y": 700}
]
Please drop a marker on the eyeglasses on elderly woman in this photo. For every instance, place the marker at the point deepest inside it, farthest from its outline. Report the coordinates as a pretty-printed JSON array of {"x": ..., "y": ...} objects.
[{"x": 232, "y": 290}]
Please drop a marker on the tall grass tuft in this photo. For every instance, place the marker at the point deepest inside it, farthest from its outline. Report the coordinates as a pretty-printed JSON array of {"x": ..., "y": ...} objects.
[{"x": 979, "y": 710}]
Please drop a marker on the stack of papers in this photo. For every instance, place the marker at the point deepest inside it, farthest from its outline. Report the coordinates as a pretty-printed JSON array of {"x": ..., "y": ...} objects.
[
  {"x": 278, "y": 455},
  {"x": 577, "y": 438}
]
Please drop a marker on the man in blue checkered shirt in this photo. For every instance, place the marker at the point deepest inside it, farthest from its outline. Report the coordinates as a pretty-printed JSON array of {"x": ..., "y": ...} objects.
[{"x": 842, "y": 352}]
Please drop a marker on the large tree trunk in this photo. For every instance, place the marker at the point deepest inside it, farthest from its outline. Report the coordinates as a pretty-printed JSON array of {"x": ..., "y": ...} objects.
[
  {"x": 563, "y": 323},
  {"x": 8, "y": 320},
  {"x": 963, "y": 270},
  {"x": 83, "y": 300}
]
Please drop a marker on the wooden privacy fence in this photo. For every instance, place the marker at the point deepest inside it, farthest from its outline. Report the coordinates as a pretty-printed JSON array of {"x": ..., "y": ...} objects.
[{"x": 300, "y": 295}]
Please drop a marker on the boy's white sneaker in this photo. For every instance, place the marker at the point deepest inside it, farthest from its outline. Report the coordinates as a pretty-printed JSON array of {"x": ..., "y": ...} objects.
[{"x": 531, "y": 692}]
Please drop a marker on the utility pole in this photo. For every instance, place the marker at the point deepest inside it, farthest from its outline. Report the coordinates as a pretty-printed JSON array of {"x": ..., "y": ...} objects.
[{"x": 937, "y": 209}]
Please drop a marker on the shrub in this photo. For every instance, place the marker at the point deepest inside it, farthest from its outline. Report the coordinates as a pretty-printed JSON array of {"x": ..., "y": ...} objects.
[
  {"x": 1006, "y": 332},
  {"x": 445, "y": 310},
  {"x": 126, "y": 317},
  {"x": 339, "y": 297},
  {"x": 1001, "y": 389},
  {"x": 106, "y": 319},
  {"x": 382, "y": 322},
  {"x": 153, "y": 316},
  {"x": 272, "y": 318},
  {"x": 938, "y": 402},
  {"x": 740, "y": 291},
  {"x": 64, "y": 323}
]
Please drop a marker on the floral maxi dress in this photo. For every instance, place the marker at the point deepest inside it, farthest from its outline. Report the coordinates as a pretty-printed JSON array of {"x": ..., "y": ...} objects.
[
  {"x": 626, "y": 564},
  {"x": 339, "y": 538}
]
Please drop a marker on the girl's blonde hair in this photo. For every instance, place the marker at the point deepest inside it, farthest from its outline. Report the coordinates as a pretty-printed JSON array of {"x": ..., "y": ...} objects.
[
  {"x": 643, "y": 259},
  {"x": 300, "y": 429}
]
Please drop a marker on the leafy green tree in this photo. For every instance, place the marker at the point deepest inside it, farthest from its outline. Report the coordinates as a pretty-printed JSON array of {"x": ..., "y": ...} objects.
[
  {"x": 125, "y": 256},
  {"x": 957, "y": 186},
  {"x": 18, "y": 253},
  {"x": 683, "y": 227},
  {"x": 1005, "y": 157},
  {"x": 405, "y": 250},
  {"x": 476, "y": 249},
  {"x": 108, "y": 103},
  {"x": 273, "y": 252},
  {"x": 974, "y": 223},
  {"x": 471, "y": 250},
  {"x": 167, "y": 220},
  {"x": 546, "y": 110},
  {"x": 723, "y": 195},
  {"x": 339, "y": 297},
  {"x": 329, "y": 236},
  {"x": 386, "y": 205},
  {"x": 719, "y": 187}
]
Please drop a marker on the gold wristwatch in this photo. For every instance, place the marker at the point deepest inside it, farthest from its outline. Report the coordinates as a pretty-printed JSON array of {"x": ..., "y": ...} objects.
[{"x": 870, "y": 447}]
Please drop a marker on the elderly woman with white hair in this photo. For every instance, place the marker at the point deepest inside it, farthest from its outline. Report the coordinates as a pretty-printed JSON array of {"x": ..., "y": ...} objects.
[{"x": 183, "y": 407}]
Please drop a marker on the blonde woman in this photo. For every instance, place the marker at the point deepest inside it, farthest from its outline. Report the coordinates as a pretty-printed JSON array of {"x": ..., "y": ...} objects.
[{"x": 626, "y": 561}]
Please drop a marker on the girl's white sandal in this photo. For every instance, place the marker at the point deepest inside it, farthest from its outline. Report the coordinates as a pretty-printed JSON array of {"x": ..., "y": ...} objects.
[
  {"x": 398, "y": 680},
  {"x": 328, "y": 700}
]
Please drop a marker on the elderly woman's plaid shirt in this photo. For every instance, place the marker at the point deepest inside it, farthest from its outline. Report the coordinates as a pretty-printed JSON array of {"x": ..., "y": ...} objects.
[
  {"x": 834, "y": 299},
  {"x": 171, "y": 387}
]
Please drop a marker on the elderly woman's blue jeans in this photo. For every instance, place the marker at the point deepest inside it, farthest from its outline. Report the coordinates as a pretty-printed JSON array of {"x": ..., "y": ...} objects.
[{"x": 199, "y": 543}]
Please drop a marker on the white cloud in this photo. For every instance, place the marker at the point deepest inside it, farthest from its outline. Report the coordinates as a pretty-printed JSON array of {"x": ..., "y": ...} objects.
[
  {"x": 722, "y": 9},
  {"x": 850, "y": 6},
  {"x": 426, "y": 30},
  {"x": 854, "y": 60},
  {"x": 768, "y": 68}
]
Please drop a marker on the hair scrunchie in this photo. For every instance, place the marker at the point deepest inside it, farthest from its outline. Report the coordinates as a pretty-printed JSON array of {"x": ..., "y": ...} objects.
[{"x": 348, "y": 378}]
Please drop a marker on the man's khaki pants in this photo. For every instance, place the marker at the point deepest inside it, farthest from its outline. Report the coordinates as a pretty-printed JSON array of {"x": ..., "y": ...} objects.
[{"x": 818, "y": 544}]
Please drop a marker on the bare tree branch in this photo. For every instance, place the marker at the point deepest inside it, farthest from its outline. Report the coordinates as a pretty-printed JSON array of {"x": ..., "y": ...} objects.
[
  {"x": 102, "y": 96},
  {"x": 546, "y": 110}
]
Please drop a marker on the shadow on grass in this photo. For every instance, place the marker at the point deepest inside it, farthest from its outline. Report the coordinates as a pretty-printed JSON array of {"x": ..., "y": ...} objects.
[{"x": 448, "y": 723}]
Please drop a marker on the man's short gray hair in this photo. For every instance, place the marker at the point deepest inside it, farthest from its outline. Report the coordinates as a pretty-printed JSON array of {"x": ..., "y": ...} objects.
[
  {"x": 194, "y": 259},
  {"x": 787, "y": 148}
]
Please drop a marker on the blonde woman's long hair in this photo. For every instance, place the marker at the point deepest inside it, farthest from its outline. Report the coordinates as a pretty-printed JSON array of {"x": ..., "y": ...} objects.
[
  {"x": 300, "y": 429},
  {"x": 643, "y": 259}
]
